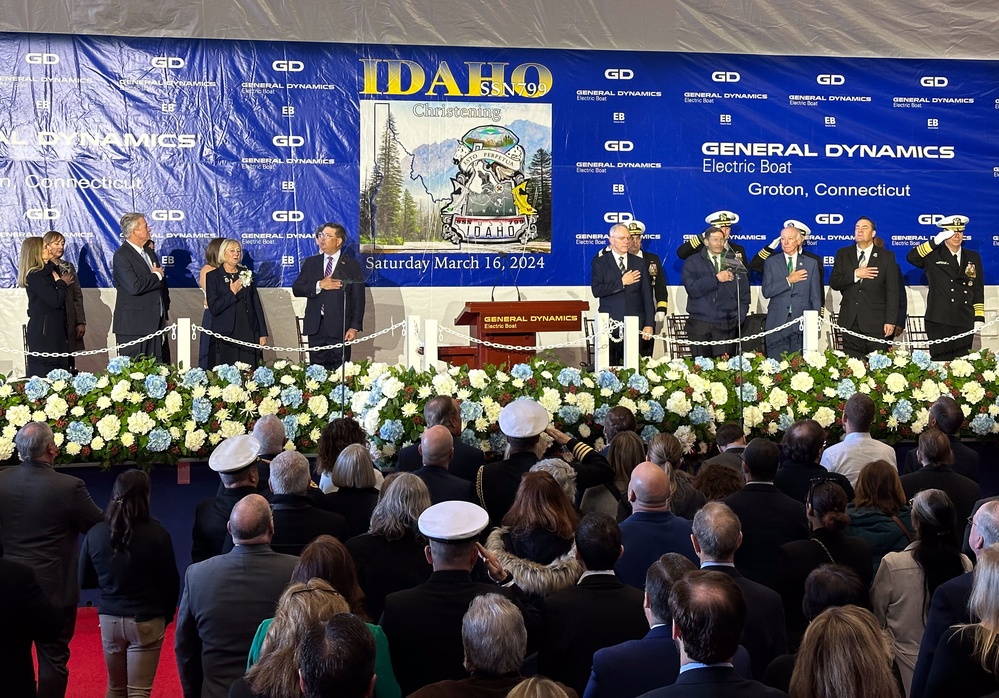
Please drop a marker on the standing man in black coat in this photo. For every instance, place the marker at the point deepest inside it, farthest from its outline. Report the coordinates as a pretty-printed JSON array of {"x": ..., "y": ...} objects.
[
  {"x": 868, "y": 279},
  {"x": 621, "y": 281},
  {"x": 465, "y": 462},
  {"x": 142, "y": 301},
  {"x": 657, "y": 279},
  {"x": 956, "y": 299},
  {"x": 334, "y": 286}
]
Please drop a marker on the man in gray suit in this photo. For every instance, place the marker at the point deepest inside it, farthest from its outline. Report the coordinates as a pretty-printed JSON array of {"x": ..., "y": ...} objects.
[
  {"x": 791, "y": 282},
  {"x": 42, "y": 513},
  {"x": 225, "y": 599}
]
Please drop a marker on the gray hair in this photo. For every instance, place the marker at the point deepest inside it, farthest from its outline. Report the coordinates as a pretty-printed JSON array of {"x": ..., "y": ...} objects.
[
  {"x": 353, "y": 468},
  {"x": 564, "y": 474},
  {"x": 987, "y": 521},
  {"x": 33, "y": 439},
  {"x": 128, "y": 222},
  {"x": 290, "y": 473},
  {"x": 494, "y": 635},
  {"x": 269, "y": 431},
  {"x": 398, "y": 510},
  {"x": 717, "y": 530}
]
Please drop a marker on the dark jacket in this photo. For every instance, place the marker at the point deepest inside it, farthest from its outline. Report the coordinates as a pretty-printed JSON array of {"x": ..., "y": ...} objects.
[
  {"x": 963, "y": 492},
  {"x": 710, "y": 300},
  {"x": 46, "y": 329},
  {"x": 966, "y": 460},
  {"x": 769, "y": 520},
  {"x": 646, "y": 536},
  {"x": 872, "y": 303},
  {"x": 223, "y": 304},
  {"x": 881, "y": 531},
  {"x": 464, "y": 463},
  {"x": 324, "y": 311},
  {"x": 445, "y": 487},
  {"x": 297, "y": 523},
  {"x": 385, "y": 566},
  {"x": 26, "y": 616},
  {"x": 210, "y": 518},
  {"x": 355, "y": 505},
  {"x": 714, "y": 681},
  {"x": 616, "y": 299},
  {"x": 794, "y": 479},
  {"x": 948, "y": 607}
]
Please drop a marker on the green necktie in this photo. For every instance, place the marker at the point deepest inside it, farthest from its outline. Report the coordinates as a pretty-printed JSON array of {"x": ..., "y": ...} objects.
[
  {"x": 790, "y": 267},
  {"x": 717, "y": 263}
]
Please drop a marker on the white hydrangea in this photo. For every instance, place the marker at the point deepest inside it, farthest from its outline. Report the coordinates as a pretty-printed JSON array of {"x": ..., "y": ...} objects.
[
  {"x": 109, "y": 427},
  {"x": 802, "y": 382},
  {"x": 233, "y": 393},
  {"x": 777, "y": 398},
  {"x": 19, "y": 415},
  {"x": 120, "y": 391},
  {"x": 173, "y": 402},
  {"x": 815, "y": 359},
  {"x": 268, "y": 406},
  {"x": 478, "y": 379},
  {"x": 973, "y": 392},
  {"x": 628, "y": 404},
  {"x": 38, "y": 416},
  {"x": 586, "y": 403},
  {"x": 371, "y": 422},
  {"x": 752, "y": 416},
  {"x": 584, "y": 431},
  {"x": 140, "y": 423},
  {"x": 824, "y": 416},
  {"x": 550, "y": 399},
  {"x": 444, "y": 384},
  {"x": 231, "y": 428},
  {"x": 658, "y": 392},
  {"x": 857, "y": 366},
  {"x": 719, "y": 393},
  {"x": 319, "y": 405},
  {"x": 194, "y": 440},
  {"x": 896, "y": 382},
  {"x": 959, "y": 368},
  {"x": 685, "y": 435},
  {"x": 678, "y": 404},
  {"x": 931, "y": 391}
]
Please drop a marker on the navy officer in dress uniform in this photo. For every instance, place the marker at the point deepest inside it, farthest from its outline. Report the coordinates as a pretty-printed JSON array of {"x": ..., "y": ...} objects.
[
  {"x": 723, "y": 220},
  {"x": 956, "y": 298},
  {"x": 657, "y": 279}
]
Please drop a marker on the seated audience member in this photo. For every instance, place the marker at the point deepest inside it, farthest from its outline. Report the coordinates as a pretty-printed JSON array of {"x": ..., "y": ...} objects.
[
  {"x": 637, "y": 666},
  {"x": 624, "y": 452},
  {"x": 858, "y": 447},
  {"x": 966, "y": 661},
  {"x": 495, "y": 642},
  {"x": 880, "y": 514},
  {"x": 731, "y": 442},
  {"x": 563, "y": 473},
  {"x": 337, "y": 659},
  {"x": 535, "y": 542},
  {"x": 716, "y": 537},
  {"x": 443, "y": 410},
  {"x": 437, "y": 449},
  {"x": 967, "y": 550},
  {"x": 269, "y": 431},
  {"x": 769, "y": 517},
  {"x": 652, "y": 530},
  {"x": 844, "y": 654},
  {"x": 355, "y": 497},
  {"x": 825, "y": 506},
  {"x": 827, "y": 586},
  {"x": 598, "y": 612},
  {"x": 391, "y": 555},
  {"x": 666, "y": 451},
  {"x": 425, "y": 621},
  {"x": 336, "y": 436},
  {"x": 936, "y": 457},
  {"x": 949, "y": 605},
  {"x": 296, "y": 521},
  {"x": 618, "y": 420},
  {"x": 26, "y": 615},
  {"x": 905, "y": 581},
  {"x": 709, "y": 613},
  {"x": 717, "y": 481},
  {"x": 801, "y": 449},
  {"x": 946, "y": 415},
  {"x": 540, "y": 687}
]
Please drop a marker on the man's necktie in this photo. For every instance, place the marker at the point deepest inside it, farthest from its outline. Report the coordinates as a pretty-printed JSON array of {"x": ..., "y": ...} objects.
[
  {"x": 620, "y": 264},
  {"x": 329, "y": 266},
  {"x": 717, "y": 263},
  {"x": 863, "y": 259},
  {"x": 790, "y": 267}
]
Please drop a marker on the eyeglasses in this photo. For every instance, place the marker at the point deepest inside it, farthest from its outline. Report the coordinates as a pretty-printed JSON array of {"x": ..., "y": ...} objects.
[
  {"x": 971, "y": 521},
  {"x": 815, "y": 481}
]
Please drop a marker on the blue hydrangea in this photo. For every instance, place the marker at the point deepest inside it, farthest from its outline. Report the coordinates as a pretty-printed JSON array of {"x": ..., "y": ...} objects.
[
  {"x": 649, "y": 432},
  {"x": 159, "y": 440},
  {"x": 569, "y": 376},
  {"x": 902, "y": 411},
  {"x": 606, "y": 379},
  {"x": 291, "y": 397},
  {"x": 375, "y": 395},
  {"x": 982, "y": 424},
  {"x": 84, "y": 382},
  {"x": 201, "y": 409},
  {"x": 470, "y": 411},
  {"x": 316, "y": 372},
  {"x": 737, "y": 362},
  {"x": 36, "y": 388},
  {"x": 229, "y": 373},
  {"x": 290, "y": 427},
  {"x": 921, "y": 358},
  {"x": 497, "y": 441},
  {"x": 522, "y": 371},
  {"x": 263, "y": 376},
  {"x": 118, "y": 364},
  {"x": 654, "y": 413},
  {"x": 156, "y": 386},
  {"x": 638, "y": 382},
  {"x": 846, "y": 389},
  {"x": 600, "y": 413},
  {"x": 785, "y": 421},
  {"x": 704, "y": 363},
  {"x": 699, "y": 415},
  {"x": 391, "y": 430},
  {"x": 770, "y": 366},
  {"x": 341, "y": 395},
  {"x": 194, "y": 378},
  {"x": 878, "y": 361},
  {"x": 79, "y": 433},
  {"x": 569, "y": 414},
  {"x": 748, "y": 391},
  {"x": 942, "y": 372},
  {"x": 59, "y": 374},
  {"x": 469, "y": 438}
]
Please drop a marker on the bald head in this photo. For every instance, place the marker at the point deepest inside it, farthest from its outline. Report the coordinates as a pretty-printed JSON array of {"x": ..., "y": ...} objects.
[
  {"x": 437, "y": 446},
  {"x": 649, "y": 487},
  {"x": 250, "y": 522}
]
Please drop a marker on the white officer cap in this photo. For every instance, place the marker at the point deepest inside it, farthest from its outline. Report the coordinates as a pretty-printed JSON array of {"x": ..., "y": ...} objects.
[
  {"x": 523, "y": 418},
  {"x": 453, "y": 521},
  {"x": 235, "y": 453},
  {"x": 722, "y": 218},
  {"x": 956, "y": 223},
  {"x": 804, "y": 229},
  {"x": 636, "y": 228}
]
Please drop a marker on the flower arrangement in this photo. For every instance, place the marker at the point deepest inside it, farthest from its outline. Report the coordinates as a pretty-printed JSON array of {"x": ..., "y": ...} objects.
[
  {"x": 152, "y": 413},
  {"x": 245, "y": 277}
]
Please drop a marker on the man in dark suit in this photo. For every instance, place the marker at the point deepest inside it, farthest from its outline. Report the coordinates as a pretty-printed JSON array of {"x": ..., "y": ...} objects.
[
  {"x": 430, "y": 615},
  {"x": 946, "y": 415},
  {"x": 791, "y": 282},
  {"x": 466, "y": 460},
  {"x": 717, "y": 537},
  {"x": 42, "y": 513},
  {"x": 956, "y": 297},
  {"x": 657, "y": 279},
  {"x": 949, "y": 605},
  {"x": 142, "y": 301},
  {"x": 225, "y": 599},
  {"x": 708, "y": 615},
  {"x": 334, "y": 286},
  {"x": 868, "y": 279},
  {"x": 936, "y": 458},
  {"x": 621, "y": 281},
  {"x": 437, "y": 448},
  {"x": 598, "y": 612},
  {"x": 652, "y": 530},
  {"x": 730, "y": 438},
  {"x": 337, "y": 658},
  {"x": 769, "y": 518},
  {"x": 717, "y": 295},
  {"x": 800, "y": 449}
]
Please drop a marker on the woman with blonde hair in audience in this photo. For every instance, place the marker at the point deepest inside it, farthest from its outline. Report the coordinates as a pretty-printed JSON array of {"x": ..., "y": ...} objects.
[
  {"x": 336, "y": 436},
  {"x": 905, "y": 581},
  {"x": 535, "y": 542},
  {"x": 845, "y": 654},
  {"x": 966, "y": 662},
  {"x": 355, "y": 497},
  {"x": 718, "y": 480},
  {"x": 539, "y": 687},
  {"x": 390, "y": 556},
  {"x": 666, "y": 451},
  {"x": 879, "y": 513},
  {"x": 626, "y": 450}
]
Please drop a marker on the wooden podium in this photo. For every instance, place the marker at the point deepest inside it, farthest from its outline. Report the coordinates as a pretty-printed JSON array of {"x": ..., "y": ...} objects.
[{"x": 515, "y": 323}]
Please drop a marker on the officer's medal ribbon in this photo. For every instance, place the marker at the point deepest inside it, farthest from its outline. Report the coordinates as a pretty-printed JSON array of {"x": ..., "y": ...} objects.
[{"x": 971, "y": 272}]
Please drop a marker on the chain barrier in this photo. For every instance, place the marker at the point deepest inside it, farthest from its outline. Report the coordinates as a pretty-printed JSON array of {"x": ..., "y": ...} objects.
[
  {"x": 327, "y": 347},
  {"x": 906, "y": 343},
  {"x": 172, "y": 329}
]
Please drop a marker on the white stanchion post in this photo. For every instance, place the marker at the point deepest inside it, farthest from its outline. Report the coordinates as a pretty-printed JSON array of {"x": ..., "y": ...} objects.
[
  {"x": 810, "y": 334},
  {"x": 631, "y": 336},
  {"x": 412, "y": 343},
  {"x": 183, "y": 343},
  {"x": 601, "y": 342},
  {"x": 430, "y": 345}
]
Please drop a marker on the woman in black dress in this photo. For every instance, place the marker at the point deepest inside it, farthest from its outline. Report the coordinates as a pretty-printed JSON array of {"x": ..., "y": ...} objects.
[
  {"x": 47, "y": 290},
  {"x": 54, "y": 245},
  {"x": 235, "y": 307}
]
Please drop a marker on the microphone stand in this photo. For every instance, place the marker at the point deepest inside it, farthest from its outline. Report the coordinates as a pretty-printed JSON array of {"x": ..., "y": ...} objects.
[
  {"x": 345, "y": 283},
  {"x": 730, "y": 262}
]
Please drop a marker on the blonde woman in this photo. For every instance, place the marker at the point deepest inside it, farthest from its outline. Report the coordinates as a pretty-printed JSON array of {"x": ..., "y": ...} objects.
[
  {"x": 234, "y": 303},
  {"x": 212, "y": 262},
  {"x": 54, "y": 245},
  {"x": 47, "y": 289}
]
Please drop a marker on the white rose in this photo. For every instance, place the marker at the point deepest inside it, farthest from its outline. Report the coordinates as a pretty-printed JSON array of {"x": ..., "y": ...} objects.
[
  {"x": 97, "y": 443},
  {"x": 824, "y": 416}
]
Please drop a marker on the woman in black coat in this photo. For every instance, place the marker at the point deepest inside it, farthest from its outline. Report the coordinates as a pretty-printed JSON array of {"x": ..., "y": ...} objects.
[
  {"x": 47, "y": 291},
  {"x": 235, "y": 307}
]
